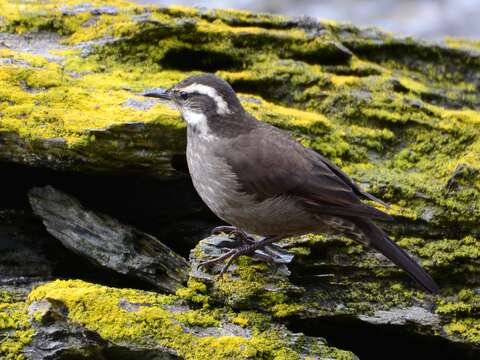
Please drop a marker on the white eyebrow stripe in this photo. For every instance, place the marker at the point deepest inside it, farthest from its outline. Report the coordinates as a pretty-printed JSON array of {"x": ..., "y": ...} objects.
[{"x": 222, "y": 106}]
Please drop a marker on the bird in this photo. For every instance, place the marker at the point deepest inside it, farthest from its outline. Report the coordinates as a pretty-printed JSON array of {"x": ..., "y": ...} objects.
[{"x": 261, "y": 181}]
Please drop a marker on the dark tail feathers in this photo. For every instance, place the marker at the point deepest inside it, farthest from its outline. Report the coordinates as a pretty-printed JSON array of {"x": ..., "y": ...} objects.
[{"x": 380, "y": 241}]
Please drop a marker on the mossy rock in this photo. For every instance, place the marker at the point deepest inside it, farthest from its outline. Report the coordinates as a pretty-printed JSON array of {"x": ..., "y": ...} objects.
[
  {"x": 337, "y": 278},
  {"x": 15, "y": 329},
  {"x": 104, "y": 322},
  {"x": 399, "y": 115}
]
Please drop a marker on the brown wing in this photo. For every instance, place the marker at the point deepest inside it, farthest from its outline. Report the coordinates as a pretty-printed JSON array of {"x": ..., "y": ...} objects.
[{"x": 269, "y": 163}]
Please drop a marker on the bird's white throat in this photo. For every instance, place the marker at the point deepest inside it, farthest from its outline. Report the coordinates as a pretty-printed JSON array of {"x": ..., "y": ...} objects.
[
  {"x": 194, "y": 118},
  {"x": 198, "y": 122}
]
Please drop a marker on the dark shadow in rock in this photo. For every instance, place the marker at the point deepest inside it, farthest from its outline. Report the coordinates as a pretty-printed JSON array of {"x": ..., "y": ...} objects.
[
  {"x": 381, "y": 341},
  {"x": 204, "y": 60},
  {"x": 459, "y": 64},
  {"x": 179, "y": 163},
  {"x": 269, "y": 89},
  {"x": 331, "y": 53},
  {"x": 25, "y": 247},
  {"x": 28, "y": 254},
  {"x": 124, "y": 353},
  {"x": 169, "y": 209},
  {"x": 73, "y": 266}
]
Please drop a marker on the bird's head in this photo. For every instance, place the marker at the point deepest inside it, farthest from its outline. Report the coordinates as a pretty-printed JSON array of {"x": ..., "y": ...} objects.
[{"x": 201, "y": 98}]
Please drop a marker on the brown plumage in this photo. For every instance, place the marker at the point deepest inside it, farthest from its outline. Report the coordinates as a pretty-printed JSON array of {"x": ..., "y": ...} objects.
[{"x": 257, "y": 178}]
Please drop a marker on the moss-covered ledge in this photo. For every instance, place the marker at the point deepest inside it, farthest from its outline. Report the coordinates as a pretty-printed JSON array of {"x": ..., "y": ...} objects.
[
  {"x": 339, "y": 278},
  {"x": 107, "y": 321}
]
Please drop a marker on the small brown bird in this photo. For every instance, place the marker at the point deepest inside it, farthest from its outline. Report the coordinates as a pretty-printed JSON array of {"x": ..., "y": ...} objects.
[{"x": 260, "y": 180}]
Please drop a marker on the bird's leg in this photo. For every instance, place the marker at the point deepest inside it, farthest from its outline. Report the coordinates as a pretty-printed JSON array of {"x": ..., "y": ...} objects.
[
  {"x": 232, "y": 230},
  {"x": 248, "y": 249}
]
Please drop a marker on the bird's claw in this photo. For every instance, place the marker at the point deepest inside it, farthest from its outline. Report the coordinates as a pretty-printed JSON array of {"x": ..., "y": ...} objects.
[
  {"x": 233, "y": 254},
  {"x": 232, "y": 230}
]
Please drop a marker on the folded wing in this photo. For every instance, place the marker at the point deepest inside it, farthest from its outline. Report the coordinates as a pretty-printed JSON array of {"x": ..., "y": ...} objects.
[{"x": 269, "y": 163}]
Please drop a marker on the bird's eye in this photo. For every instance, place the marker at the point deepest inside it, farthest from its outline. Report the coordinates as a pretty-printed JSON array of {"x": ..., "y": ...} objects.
[{"x": 184, "y": 95}]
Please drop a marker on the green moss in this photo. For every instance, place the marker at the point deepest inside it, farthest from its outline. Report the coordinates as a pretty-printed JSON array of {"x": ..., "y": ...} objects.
[
  {"x": 363, "y": 297},
  {"x": 50, "y": 16},
  {"x": 354, "y": 112},
  {"x": 414, "y": 85},
  {"x": 241, "y": 320},
  {"x": 463, "y": 43},
  {"x": 282, "y": 310},
  {"x": 291, "y": 119},
  {"x": 56, "y": 105},
  {"x": 460, "y": 256},
  {"x": 467, "y": 329},
  {"x": 462, "y": 313}
]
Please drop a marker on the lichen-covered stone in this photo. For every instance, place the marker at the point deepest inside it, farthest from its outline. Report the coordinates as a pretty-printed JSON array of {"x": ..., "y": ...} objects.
[
  {"x": 391, "y": 125},
  {"x": 335, "y": 277},
  {"x": 15, "y": 329},
  {"x": 169, "y": 325}
]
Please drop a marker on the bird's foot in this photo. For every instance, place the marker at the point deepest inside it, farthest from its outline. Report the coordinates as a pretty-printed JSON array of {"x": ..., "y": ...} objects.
[
  {"x": 230, "y": 256},
  {"x": 258, "y": 250},
  {"x": 232, "y": 230}
]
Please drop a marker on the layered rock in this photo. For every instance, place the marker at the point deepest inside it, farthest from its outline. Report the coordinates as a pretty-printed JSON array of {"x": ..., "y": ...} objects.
[{"x": 333, "y": 278}]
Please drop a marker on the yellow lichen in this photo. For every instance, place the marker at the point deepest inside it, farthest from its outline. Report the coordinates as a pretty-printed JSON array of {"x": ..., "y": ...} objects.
[
  {"x": 195, "y": 292},
  {"x": 56, "y": 105},
  {"x": 413, "y": 85},
  {"x": 241, "y": 320},
  {"x": 196, "y": 318},
  {"x": 287, "y": 117},
  {"x": 15, "y": 329},
  {"x": 99, "y": 309},
  {"x": 462, "y": 43},
  {"x": 468, "y": 329},
  {"x": 339, "y": 80}
]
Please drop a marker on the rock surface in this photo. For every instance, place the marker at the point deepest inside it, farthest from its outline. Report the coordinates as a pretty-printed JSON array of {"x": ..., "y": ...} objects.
[
  {"x": 400, "y": 116},
  {"x": 107, "y": 242}
]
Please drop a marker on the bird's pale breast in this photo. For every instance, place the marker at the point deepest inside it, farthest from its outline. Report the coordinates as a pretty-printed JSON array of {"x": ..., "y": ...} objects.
[{"x": 218, "y": 186}]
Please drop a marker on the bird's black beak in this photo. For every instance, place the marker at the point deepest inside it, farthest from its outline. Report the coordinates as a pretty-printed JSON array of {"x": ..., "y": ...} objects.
[{"x": 159, "y": 93}]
